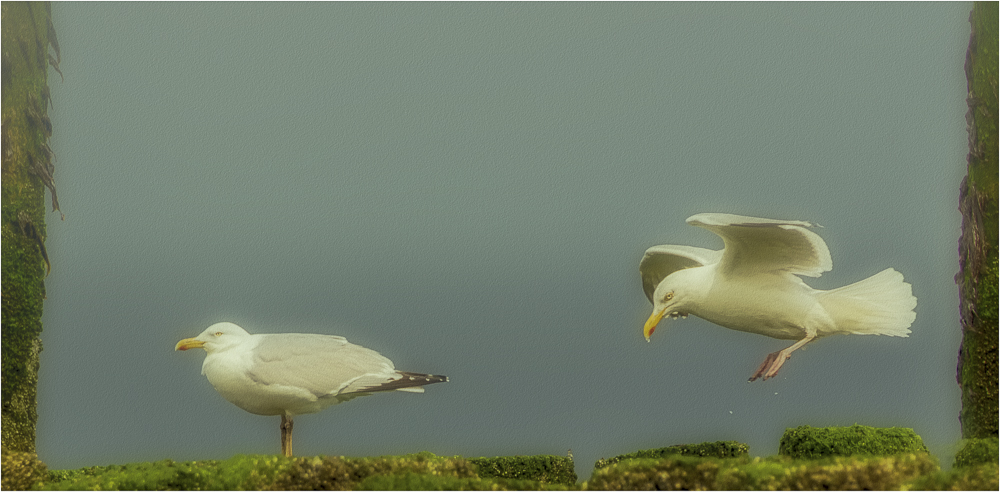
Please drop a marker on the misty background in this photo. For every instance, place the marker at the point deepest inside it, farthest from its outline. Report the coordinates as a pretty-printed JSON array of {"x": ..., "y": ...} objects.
[{"x": 468, "y": 189}]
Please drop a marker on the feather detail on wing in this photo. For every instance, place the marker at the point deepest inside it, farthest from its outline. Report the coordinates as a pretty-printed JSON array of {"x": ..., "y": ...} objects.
[
  {"x": 755, "y": 245},
  {"x": 328, "y": 365}
]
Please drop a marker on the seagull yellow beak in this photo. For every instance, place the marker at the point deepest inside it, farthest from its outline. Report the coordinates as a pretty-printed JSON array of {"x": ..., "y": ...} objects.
[
  {"x": 654, "y": 319},
  {"x": 189, "y": 343}
]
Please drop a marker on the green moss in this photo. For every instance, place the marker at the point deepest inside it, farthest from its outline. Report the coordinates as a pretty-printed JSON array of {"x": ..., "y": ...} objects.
[
  {"x": 421, "y": 471},
  {"x": 241, "y": 472},
  {"x": 21, "y": 471},
  {"x": 425, "y": 471},
  {"x": 676, "y": 472},
  {"x": 982, "y": 476},
  {"x": 414, "y": 481},
  {"x": 718, "y": 449},
  {"x": 756, "y": 474},
  {"x": 25, "y": 32},
  {"x": 978, "y": 373},
  {"x": 817, "y": 442},
  {"x": 776, "y": 473},
  {"x": 976, "y": 451},
  {"x": 835, "y": 473},
  {"x": 979, "y": 351},
  {"x": 339, "y": 473},
  {"x": 540, "y": 468},
  {"x": 981, "y": 71}
]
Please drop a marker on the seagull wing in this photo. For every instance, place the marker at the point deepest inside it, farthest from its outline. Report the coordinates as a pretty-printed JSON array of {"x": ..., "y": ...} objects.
[
  {"x": 660, "y": 261},
  {"x": 323, "y": 365},
  {"x": 756, "y": 245}
]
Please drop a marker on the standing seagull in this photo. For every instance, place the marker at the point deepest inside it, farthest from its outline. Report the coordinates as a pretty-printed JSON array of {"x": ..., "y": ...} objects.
[
  {"x": 291, "y": 374},
  {"x": 751, "y": 285}
]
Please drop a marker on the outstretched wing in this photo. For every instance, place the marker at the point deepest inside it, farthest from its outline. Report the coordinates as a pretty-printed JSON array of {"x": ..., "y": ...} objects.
[
  {"x": 660, "y": 261},
  {"x": 755, "y": 245}
]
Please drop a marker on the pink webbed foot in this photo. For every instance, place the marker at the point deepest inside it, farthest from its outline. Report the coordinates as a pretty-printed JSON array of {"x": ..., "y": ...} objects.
[
  {"x": 765, "y": 368},
  {"x": 769, "y": 368}
]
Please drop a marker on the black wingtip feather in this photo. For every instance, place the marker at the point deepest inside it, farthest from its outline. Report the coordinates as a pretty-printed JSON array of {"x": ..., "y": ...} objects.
[
  {"x": 409, "y": 380},
  {"x": 422, "y": 379}
]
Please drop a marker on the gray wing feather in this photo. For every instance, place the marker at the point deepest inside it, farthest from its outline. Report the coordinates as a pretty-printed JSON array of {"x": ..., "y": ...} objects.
[
  {"x": 661, "y": 261},
  {"x": 320, "y": 364}
]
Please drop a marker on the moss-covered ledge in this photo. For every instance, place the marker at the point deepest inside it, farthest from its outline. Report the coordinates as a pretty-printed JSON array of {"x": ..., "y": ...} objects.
[
  {"x": 26, "y": 172},
  {"x": 679, "y": 472},
  {"x": 700, "y": 469},
  {"x": 818, "y": 442},
  {"x": 539, "y": 468},
  {"x": 811, "y": 458},
  {"x": 718, "y": 449},
  {"x": 21, "y": 470},
  {"x": 267, "y": 472},
  {"x": 978, "y": 247},
  {"x": 977, "y": 451}
]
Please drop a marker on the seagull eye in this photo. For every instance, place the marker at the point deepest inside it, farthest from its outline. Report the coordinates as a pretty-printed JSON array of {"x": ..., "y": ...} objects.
[
  {"x": 669, "y": 296},
  {"x": 218, "y": 333}
]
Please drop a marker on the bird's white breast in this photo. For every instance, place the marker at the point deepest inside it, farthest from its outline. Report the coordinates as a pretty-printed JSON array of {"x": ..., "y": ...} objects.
[
  {"x": 778, "y": 306},
  {"x": 227, "y": 370}
]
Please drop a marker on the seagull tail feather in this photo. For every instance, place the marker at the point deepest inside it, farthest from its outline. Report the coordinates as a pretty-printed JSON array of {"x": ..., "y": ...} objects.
[{"x": 878, "y": 305}]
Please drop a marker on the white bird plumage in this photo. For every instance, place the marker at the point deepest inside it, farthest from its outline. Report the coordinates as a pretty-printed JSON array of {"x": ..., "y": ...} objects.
[
  {"x": 292, "y": 374},
  {"x": 752, "y": 285}
]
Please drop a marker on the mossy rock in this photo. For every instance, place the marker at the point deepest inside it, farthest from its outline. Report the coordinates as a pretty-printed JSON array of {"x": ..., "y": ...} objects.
[
  {"x": 339, "y": 473},
  {"x": 255, "y": 472},
  {"x": 982, "y": 476},
  {"x": 776, "y": 473},
  {"x": 718, "y": 449},
  {"x": 676, "y": 472},
  {"x": 415, "y": 481},
  {"x": 976, "y": 451},
  {"x": 421, "y": 471},
  {"x": 21, "y": 471},
  {"x": 835, "y": 473},
  {"x": 818, "y": 442},
  {"x": 241, "y": 472},
  {"x": 541, "y": 468}
]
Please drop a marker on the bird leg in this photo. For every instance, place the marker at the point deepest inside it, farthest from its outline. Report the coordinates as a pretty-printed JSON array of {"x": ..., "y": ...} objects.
[
  {"x": 286, "y": 435},
  {"x": 773, "y": 361}
]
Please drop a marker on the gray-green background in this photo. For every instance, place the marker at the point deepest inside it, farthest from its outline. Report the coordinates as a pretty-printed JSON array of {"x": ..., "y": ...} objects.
[{"x": 468, "y": 189}]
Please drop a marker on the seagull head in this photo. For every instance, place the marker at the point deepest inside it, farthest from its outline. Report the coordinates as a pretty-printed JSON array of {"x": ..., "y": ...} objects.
[
  {"x": 216, "y": 337},
  {"x": 673, "y": 296}
]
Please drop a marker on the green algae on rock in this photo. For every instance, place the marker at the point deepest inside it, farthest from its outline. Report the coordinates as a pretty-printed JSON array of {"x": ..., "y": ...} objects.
[
  {"x": 675, "y": 472},
  {"x": 817, "y": 442},
  {"x": 21, "y": 470},
  {"x": 976, "y": 451},
  {"x": 270, "y": 472},
  {"x": 982, "y": 476},
  {"x": 864, "y": 472},
  {"x": 717, "y": 449},
  {"x": 978, "y": 245},
  {"x": 416, "y": 481},
  {"x": 540, "y": 468},
  {"x": 775, "y": 473},
  {"x": 27, "y": 170},
  {"x": 241, "y": 472},
  {"x": 340, "y": 473}
]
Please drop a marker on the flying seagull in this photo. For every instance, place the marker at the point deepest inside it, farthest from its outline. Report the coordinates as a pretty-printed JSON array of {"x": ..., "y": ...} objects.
[
  {"x": 752, "y": 285},
  {"x": 291, "y": 374}
]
